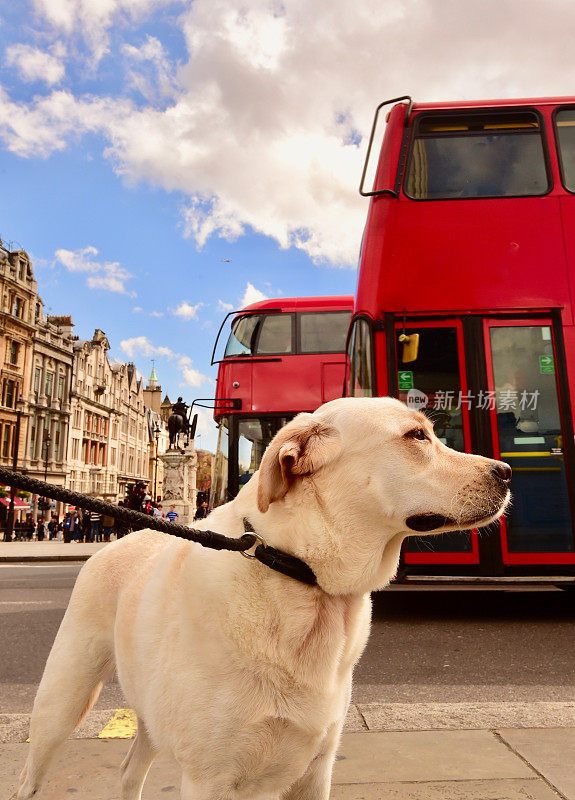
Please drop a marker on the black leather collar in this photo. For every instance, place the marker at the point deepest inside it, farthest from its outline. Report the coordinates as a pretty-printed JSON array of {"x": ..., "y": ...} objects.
[{"x": 281, "y": 562}]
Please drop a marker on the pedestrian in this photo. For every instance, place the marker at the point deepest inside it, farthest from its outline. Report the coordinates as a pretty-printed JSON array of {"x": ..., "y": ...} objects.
[
  {"x": 29, "y": 529},
  {"x": 52, "y": 528},
  {"x": 107, "y": 524},
  {"x": 41, "y": 530},
  {"x": 158, "y": 511},
  {"x": 172, "y": 514},
  {"x": 202, "y": 511},
  {"x": 95, "y": 530},
  {"x": 86, "y": 527}
]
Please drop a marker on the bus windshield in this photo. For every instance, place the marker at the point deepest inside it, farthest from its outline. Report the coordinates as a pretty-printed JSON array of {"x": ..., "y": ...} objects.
[{"x": 472, "y": 155}]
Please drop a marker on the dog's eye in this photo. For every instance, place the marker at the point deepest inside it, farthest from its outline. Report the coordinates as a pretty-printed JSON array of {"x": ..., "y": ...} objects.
[{"x": 418, "y": 433}]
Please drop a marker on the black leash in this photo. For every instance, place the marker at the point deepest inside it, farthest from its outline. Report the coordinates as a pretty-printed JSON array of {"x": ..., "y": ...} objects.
[{"x": 274, "y": 559}]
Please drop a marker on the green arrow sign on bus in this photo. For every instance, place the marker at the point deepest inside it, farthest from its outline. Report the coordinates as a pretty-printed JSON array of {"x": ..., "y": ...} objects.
[
  {"x": 546, "y": 365},
  {"x": 405, "y": 379}
]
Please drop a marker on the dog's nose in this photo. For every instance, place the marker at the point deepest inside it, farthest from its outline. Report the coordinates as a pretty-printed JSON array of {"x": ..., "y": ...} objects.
[{"x": 502, "y": 471}]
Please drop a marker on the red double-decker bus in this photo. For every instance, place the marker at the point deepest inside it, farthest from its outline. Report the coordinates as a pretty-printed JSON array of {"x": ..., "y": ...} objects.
[
  {"x": 282, "y": 356},
  {"x": 464, "y": 309}
]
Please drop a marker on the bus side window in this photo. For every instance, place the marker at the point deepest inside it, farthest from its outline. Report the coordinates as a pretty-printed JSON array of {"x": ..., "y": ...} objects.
[
  {"x": 323, "y": 332},
  {"x": 276, "y": 335},
  {"x": 361, "y": 378},
  {"x": 565, "y": 126}
]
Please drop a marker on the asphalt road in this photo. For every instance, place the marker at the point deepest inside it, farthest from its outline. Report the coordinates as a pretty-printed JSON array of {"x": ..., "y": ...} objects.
[{"x": 427, "y": 645}]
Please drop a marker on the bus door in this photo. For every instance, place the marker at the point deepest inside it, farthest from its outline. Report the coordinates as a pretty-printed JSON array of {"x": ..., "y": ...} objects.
[
  {"x": 528, "y": 434},
  {"x": 435, "y": 382}
]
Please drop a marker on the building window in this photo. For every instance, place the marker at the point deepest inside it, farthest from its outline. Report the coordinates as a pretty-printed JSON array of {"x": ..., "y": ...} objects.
[
  {"x": 60, "y": 387},
  {"x": 112, "y": 456},
  {"x": 18, "y": 307},
  {"x": 32, "y": 437},
  {"x": 37, "y": 379},
  {"x": 14, "y": 350},
  {"x": 49, "y": 384},
  {"x": 6, "y": 441},
  {"x": 75, "y": 448},
  {"x": 9, "y": 394}
]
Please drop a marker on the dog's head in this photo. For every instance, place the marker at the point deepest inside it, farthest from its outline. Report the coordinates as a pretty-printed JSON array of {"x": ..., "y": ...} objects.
[{"x": 373, "y": 469}]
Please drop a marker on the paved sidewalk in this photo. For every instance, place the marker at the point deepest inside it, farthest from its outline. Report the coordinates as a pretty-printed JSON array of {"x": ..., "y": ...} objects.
[
  {"x": 47, "y": 551},
  {"x": 437, "y": 759}
]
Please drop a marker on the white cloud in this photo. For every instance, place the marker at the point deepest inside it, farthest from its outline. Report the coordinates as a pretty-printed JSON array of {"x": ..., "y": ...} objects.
[
  {"x": 156, "y": 313},
  {"x": 137, "y": 309},
  {"x": 191, "y": 376},
  {"x": 92, "y": 19},
  {"x": 187, "y": 311},
  {"x": 225, "y": 307},
  {"x": 261, "y": 131},
  {"x": 149, "y": 69},
  {"x": 252, "y": 295},
  {"x": 108, "y": 275},
  {"x": 34, "y": 64},
  {"x": 141, "y": 346}
]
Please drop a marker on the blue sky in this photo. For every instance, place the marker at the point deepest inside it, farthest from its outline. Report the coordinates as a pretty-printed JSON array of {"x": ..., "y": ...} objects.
[{"x": 142, "y": 142}]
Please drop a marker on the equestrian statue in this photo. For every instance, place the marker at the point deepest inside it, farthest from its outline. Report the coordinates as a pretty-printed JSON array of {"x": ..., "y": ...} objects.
[{"x": 178, "y": 423}]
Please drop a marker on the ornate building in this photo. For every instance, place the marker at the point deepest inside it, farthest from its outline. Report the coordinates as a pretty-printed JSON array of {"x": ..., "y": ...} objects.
[
  {"x": 108, "y": 445},
  {"x": 17, "y": 324},
  {"x": 46, "y": 451}
]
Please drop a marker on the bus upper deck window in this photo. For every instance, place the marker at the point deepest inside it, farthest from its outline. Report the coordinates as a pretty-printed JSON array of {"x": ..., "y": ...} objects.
[
  {"x": 565, "y": 126},
  {"x": 476, "y": 155},
  {"x": 323, "y": 332},
  {"x": 243, "y": 335},
  {"x": 275, "y": 336}
]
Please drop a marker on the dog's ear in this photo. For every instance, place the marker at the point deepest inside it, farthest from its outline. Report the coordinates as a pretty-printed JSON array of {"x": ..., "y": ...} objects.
[{"x": 300, "y": 448}]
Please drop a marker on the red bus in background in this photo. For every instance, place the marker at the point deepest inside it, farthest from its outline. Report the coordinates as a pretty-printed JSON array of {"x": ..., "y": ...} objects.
[
  {"x": 464, "y": 309},
  {"x": 282, "y": 356}
]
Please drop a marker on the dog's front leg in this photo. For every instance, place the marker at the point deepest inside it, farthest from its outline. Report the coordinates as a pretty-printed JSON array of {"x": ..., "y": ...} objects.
[{"x": 315, "y": 783}]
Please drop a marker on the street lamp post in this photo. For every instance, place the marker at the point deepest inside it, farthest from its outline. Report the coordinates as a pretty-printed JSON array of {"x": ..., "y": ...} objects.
[
  {"x": 43, "y": 502},
  {"x": 157, "y": 431},
  {"x": 10, "y": 516},
  {"x": 47, "y": 440}
]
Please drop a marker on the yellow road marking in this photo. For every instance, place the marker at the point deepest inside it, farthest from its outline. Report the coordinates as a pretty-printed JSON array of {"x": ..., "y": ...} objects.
[{"x": 123, "y": 725}]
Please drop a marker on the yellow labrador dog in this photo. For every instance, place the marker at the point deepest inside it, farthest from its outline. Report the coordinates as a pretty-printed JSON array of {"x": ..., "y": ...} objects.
[{"x": 242, "y": 673}]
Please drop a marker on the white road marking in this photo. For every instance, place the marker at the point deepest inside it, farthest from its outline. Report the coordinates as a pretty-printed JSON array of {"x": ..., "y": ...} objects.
[{"x": 25, "y": 602}]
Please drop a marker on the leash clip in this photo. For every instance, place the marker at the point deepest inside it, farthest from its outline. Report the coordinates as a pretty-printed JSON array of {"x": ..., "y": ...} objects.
[{"x": 258, "y": 541}]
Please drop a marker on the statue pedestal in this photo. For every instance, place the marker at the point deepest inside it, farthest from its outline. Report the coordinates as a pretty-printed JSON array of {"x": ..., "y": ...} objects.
[{"x": 179, "y": 488}]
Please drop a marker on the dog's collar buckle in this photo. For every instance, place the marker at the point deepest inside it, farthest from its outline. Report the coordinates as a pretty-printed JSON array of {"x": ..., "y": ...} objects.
[
  {"x": 277, "y": 560},
  {"x": 258, "y": 541}
]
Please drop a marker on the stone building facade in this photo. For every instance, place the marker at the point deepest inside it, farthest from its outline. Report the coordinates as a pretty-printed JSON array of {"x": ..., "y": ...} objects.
[
  {"x": 109, "y": 439},
  {"x": 85, "y": 422},
  {"x": 18, "y": 293},
  {"x": 46, "y": 439}
]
